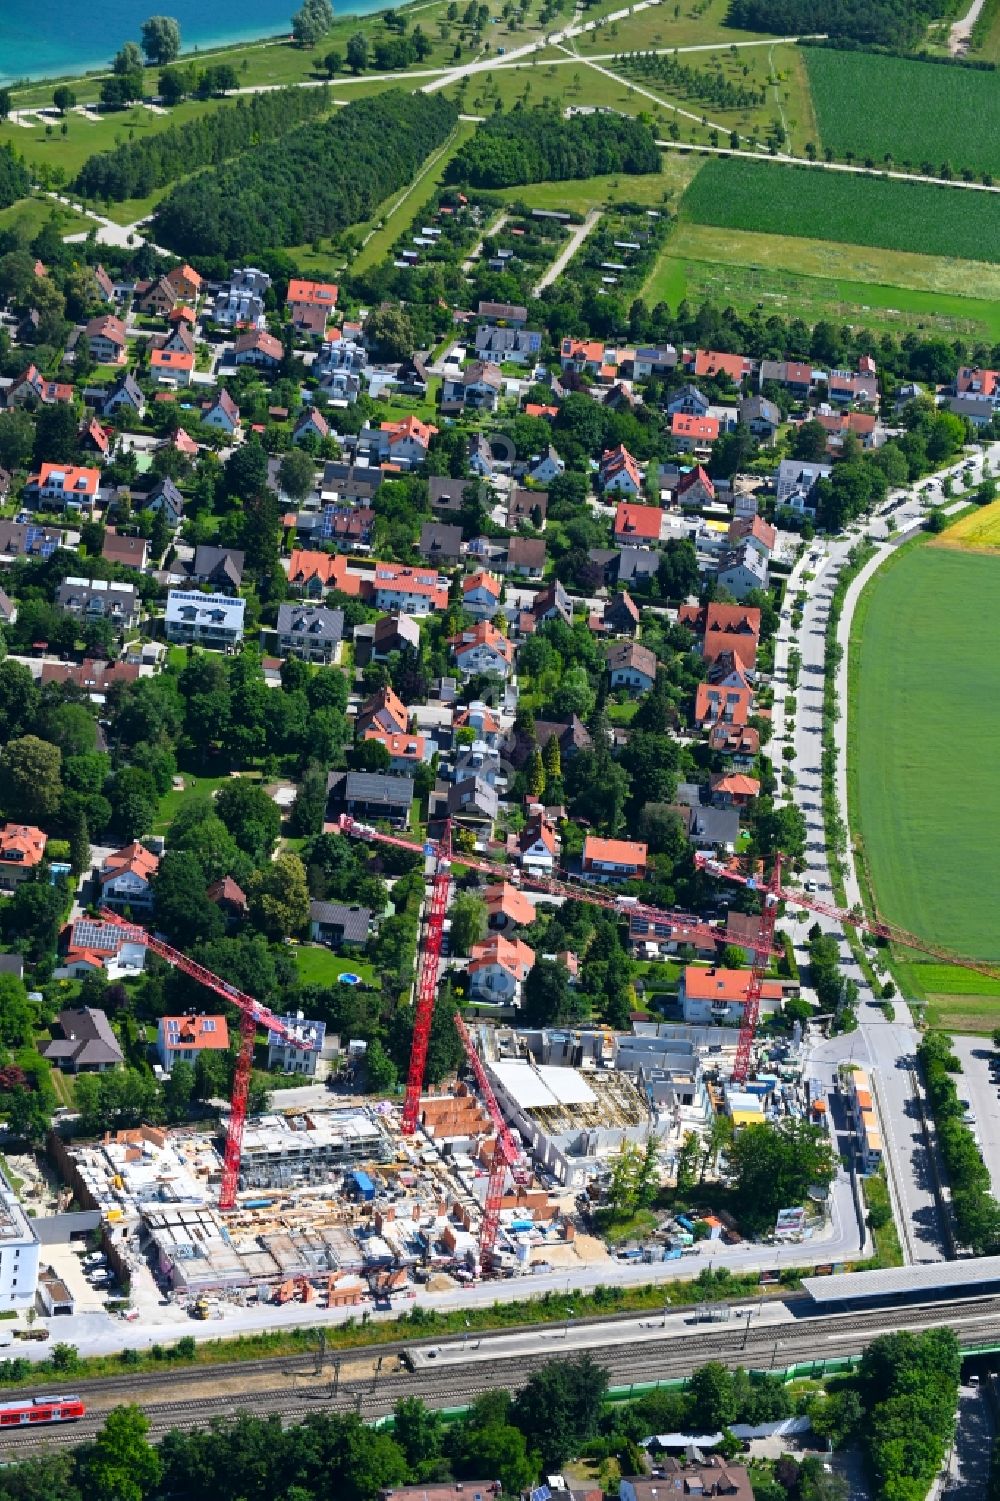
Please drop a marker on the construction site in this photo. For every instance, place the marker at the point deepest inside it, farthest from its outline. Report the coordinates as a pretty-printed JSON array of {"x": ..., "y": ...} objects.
[{"x": 336, "y": 1204}]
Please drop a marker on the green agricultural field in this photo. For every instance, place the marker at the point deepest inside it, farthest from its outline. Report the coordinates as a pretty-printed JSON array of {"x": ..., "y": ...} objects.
[
  {"x": 811, "y": 202},
  {"x": 814, "y": 279},
  {"x": 917, "y": 112},
  {"x": 923, "y": 726},
  {"x": 951, "y": 997}
]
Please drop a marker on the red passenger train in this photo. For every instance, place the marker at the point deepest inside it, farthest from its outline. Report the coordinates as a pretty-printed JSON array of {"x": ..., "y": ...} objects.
[{"x": 34, "y": 1410}]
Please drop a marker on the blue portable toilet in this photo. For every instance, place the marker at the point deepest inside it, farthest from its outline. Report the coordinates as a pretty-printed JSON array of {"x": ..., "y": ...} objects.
[{"x": 363, "y": 1185}]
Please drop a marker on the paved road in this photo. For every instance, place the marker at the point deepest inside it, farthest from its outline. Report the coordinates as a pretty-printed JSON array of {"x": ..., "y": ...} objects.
[
  {"x": 969, "y": 1461},
  {"x": 888, "y": 1048},
  {"x": 958, "y": 37},
  {"x": 567, "y": 253}
]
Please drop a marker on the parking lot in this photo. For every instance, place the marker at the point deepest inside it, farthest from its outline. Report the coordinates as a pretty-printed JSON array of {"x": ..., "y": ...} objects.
[
  {"x": 68, "y": 1267},
  {"x": 980, "y": 1085}
]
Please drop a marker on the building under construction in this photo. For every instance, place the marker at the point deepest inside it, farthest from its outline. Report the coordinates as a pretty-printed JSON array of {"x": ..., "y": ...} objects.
[
  {"x": 280, "y": 1151},
  {"x": 572, "y": 1122}
]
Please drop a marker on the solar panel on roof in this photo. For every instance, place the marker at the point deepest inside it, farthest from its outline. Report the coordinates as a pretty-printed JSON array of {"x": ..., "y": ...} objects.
[{"x": 92, "y": 935}]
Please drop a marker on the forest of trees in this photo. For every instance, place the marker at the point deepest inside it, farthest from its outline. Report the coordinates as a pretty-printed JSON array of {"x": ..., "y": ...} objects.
[
  {"x": 315, "y": 181},
  {"x": 899, "y": 24},
  {"x": 136, "y": 168},
  {"x": 538, "y": 145},
  {"x": 14, "y": 179}
]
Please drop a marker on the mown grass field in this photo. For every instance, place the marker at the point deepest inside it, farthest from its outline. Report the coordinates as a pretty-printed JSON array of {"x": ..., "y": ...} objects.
[
  {"x": 658, "y": 26},
  {"x": 978, "y": 529},
  {"x": 916, "y": 111},
  {"x": 88, "y": 134},
  {"x": 278, "y": 61},
  {"x": 580, "y": 194},
  {"x": 923, "y": 726},
  {"x": 813, "y": 203},
  {"x": 28, "y": 215},
  {"x": 815, "y": 279},
  {"x": 951, "y": 997},
  {"x": 986, "y": 34}
]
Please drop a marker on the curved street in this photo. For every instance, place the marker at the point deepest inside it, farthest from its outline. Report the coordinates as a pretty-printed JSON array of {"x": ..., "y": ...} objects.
[{"x": 887, "y": 1048}]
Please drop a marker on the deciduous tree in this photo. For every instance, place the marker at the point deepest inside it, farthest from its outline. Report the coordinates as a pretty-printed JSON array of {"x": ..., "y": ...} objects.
[
  {"x": 161, "y": 40},
  {"x": 30, "y": 779}
]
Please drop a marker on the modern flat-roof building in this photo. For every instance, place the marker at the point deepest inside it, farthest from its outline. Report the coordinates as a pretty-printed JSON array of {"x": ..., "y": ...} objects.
[
  {"x": 211, "y": 620},
  {"x": 862, "y": 1101},
  {"x": 18, "y": 1253},
  {"x": 279, "y": 1150}
]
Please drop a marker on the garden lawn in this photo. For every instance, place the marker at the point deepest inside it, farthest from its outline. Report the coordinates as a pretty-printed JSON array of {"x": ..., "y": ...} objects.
[
  {"x": 319, "y": 966},
  {"x": 917, "y": 112},
  {"x": 924, "y": 723},
  {"x": 817, "y": 203},
  {"x": 171, "y": 802}
]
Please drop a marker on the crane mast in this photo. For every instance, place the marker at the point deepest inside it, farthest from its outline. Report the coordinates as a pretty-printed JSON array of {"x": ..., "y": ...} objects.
[
  {"x": 505, "y": 1152},
  {"x": 427, "y": 980}
]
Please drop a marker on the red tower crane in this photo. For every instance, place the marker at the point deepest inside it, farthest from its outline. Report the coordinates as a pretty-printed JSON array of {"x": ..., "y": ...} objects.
[
  {"x": 773, "y": 892},
  {"x": 505, "y": 1154},
  {"x": 761, "y": 954},
  {"x": 689, "y": 928},
  {"x": 427, "y": 978},
  {"x": 252, "y": 1015}
]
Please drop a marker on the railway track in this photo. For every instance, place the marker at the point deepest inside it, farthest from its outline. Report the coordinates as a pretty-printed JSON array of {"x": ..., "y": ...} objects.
[
  {"x": 287, "y": 1364},
  {"x": 458, "y": 1384}
]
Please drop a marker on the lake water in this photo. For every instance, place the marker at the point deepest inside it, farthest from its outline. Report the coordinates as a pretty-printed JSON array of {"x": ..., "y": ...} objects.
[{"x": 72, "y": 36}]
